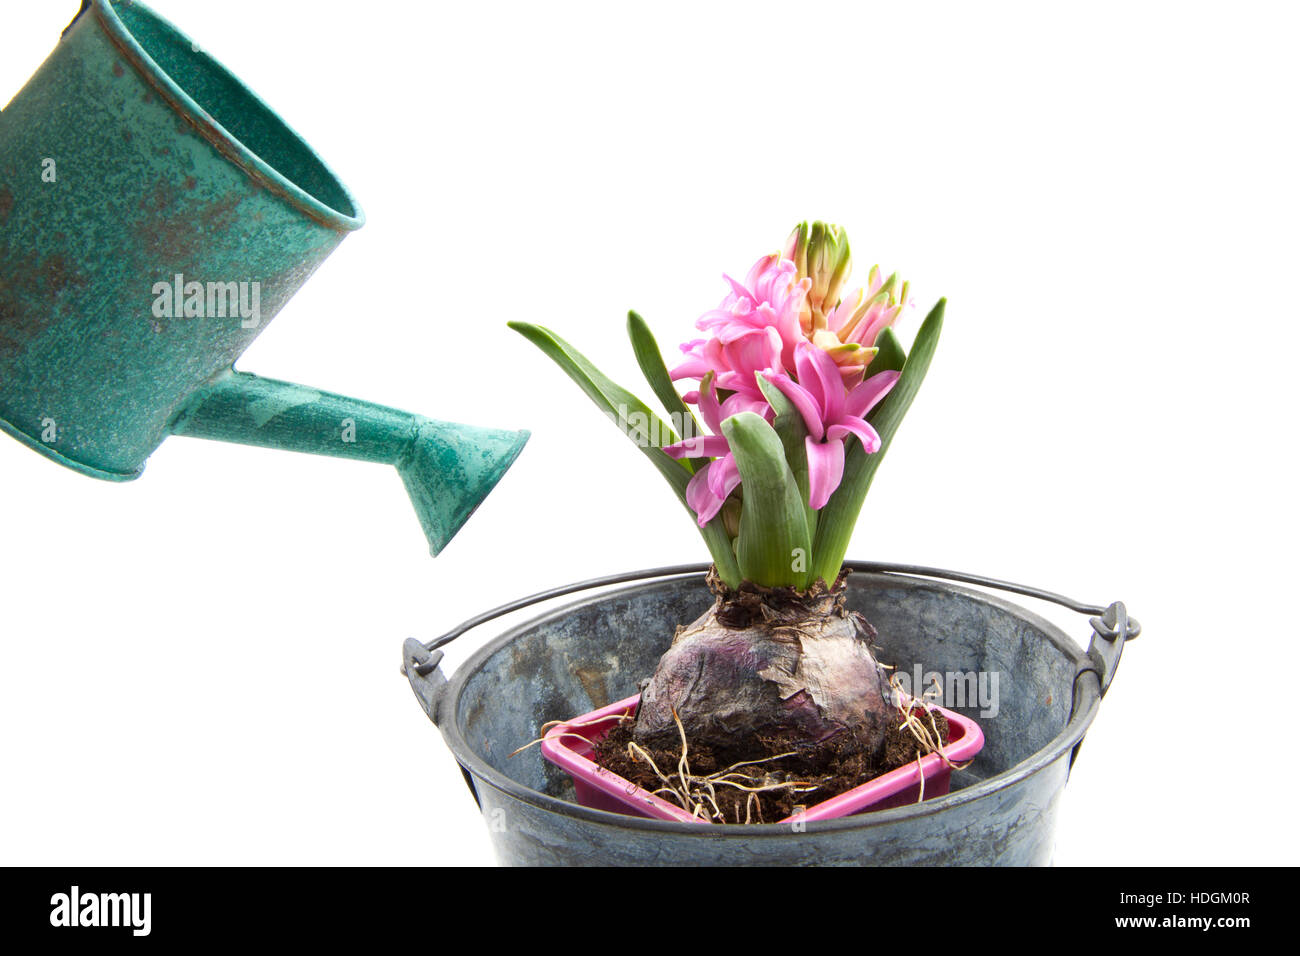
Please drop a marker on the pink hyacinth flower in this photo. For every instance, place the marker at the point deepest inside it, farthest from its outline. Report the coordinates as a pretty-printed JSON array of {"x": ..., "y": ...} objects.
[
  {"x": 736, "y": 363},
  {"x": 853, "y": 326},
  {"x": 709, "y": 487},
  {"x": 851, "y": 322},
  {"x": 771, "y": 296},
  {"x": 831, "y": 413},
  {"x": 697, "y": 363}
]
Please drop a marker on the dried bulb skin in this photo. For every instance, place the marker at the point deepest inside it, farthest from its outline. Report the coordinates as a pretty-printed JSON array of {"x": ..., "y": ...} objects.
[{"x": 768, "y": 662}]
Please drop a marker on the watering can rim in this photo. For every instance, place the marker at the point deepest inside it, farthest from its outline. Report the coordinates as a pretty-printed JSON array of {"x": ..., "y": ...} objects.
[
  {"x": 1087, "y": 700},
  {"x": 206, "y": 126},
  {"x": 53, "y": 454}
]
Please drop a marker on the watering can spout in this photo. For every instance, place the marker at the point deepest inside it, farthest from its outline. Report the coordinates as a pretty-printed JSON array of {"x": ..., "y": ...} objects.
[{"x": 448, "y": 468}]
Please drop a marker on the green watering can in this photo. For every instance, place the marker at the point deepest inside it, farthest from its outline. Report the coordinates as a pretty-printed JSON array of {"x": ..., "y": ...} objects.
[{"x": 155, "y": 215}]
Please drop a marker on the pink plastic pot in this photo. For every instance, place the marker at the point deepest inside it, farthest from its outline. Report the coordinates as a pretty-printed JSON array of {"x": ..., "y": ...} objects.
[{"x": 601, "y": 789}]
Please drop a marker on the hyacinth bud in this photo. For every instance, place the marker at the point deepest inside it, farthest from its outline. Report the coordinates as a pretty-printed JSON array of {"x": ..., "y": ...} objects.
[
  {"x": 796, "y": 249},
  {"x": 843, "y": 323},
  {"x": 821, "y": 254}
]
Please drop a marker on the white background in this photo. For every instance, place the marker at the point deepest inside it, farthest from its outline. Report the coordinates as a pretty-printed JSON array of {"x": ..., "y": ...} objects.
[{"x": 201, "y": 667}]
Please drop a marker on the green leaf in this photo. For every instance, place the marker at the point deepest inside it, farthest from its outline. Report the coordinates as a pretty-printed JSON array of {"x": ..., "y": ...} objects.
[
  {"x": 835, "y": 526},
  {"x": 652, "y": 365},
  {"x": 792, "y": 431},
  {"x": 619, "y": 404},
  {"x": 774, "y": 537},
  {"x": 891, "y": 356},
  {"x": 647, "y": 430}
]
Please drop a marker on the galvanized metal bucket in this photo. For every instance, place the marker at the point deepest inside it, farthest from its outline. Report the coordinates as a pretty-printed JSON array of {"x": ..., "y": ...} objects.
[{"x": 1002, "y": 810}]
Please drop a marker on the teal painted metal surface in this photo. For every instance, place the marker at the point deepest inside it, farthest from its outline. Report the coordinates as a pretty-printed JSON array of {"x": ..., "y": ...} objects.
[{"x": 155, "y": 215}]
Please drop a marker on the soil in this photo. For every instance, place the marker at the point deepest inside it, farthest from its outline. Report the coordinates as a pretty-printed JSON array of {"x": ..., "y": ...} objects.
[{"x": 829, "y": 768}]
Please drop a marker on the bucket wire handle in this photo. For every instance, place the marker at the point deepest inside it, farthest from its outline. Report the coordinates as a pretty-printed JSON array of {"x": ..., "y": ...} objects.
[{"x": 420, "y": 660}]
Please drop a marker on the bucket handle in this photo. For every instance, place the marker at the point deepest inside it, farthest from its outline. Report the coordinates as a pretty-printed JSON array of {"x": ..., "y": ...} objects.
[{"x": 420, "y": 660}]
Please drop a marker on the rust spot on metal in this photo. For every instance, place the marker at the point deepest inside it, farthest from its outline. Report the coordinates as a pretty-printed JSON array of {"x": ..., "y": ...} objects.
[
  {"x": 6, "y": 203},
  {"x": 222, "y": 214},
  {"x": 31, "y": 280},
  {"x": 171, "y": 222},
  {"x": 12, "y": 329},
  {"x": 55, "y": 275},
  {"x": 593, "y": 682},
  {"x": 159, "y": 198},
  {"x": 118, "y": 70}
]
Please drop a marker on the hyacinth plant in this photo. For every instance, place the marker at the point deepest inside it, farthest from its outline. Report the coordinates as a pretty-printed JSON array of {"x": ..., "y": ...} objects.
[{"x": 793, "y": 394}]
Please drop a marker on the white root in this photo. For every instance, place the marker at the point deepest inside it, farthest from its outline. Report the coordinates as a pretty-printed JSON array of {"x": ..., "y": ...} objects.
[
  {"x": 619, "y": 719},
  {"x": 697, "y": 794}
]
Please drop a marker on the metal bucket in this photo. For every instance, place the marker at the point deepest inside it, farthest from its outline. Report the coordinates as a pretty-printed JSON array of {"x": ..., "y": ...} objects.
[{"x": 1002, "y": 810}]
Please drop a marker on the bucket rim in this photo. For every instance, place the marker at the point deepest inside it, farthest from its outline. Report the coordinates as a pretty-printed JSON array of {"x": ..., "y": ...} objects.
[{"x": 1087, "y": 699}]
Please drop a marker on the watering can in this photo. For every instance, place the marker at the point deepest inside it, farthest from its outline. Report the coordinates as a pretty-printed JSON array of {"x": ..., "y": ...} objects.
[{"x": 155, "y": 215}]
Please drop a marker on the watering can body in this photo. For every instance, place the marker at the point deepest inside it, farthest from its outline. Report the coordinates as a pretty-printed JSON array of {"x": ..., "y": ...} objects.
[{"x": 155, "y": 215}]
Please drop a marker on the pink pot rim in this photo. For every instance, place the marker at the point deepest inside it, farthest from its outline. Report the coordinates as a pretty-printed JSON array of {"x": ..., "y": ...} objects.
[{"x": 563, "y": 746}]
